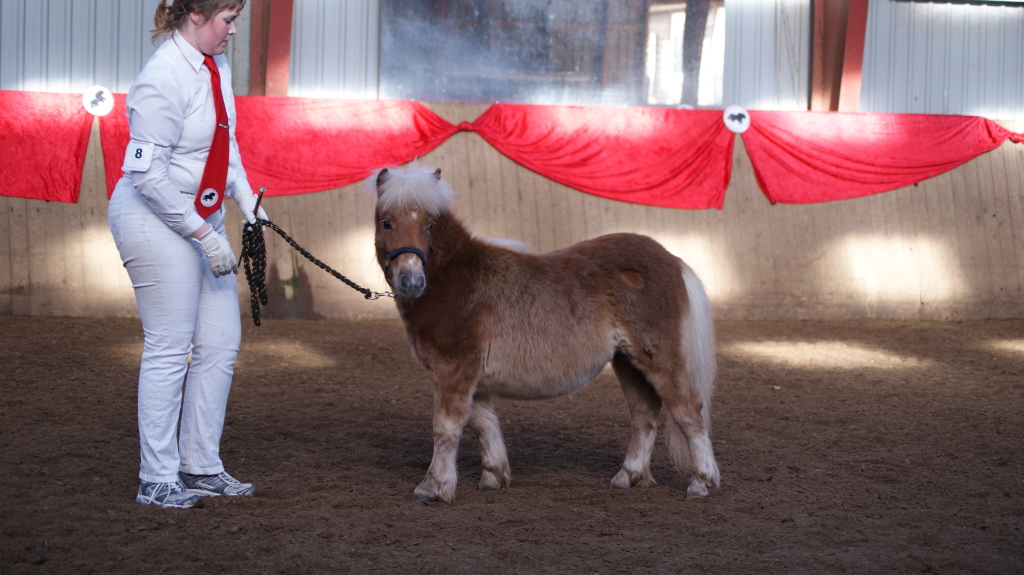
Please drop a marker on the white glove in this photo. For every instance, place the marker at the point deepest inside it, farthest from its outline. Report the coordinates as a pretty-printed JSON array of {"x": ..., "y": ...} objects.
[
  {"x": 218, "y": 253},
  {"x": 246, "y": 202}
]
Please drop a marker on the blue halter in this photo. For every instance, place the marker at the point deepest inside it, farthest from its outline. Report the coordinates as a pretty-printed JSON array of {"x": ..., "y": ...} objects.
[{"x": 407, "y": 250}]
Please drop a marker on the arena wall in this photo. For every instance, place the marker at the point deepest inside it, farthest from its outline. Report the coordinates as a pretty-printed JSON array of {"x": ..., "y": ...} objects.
[{"x": 951, "y": 247}]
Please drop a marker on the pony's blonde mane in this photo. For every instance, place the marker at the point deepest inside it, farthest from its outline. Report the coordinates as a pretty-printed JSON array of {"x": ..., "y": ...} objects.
[{"x": 412, "y": 186}]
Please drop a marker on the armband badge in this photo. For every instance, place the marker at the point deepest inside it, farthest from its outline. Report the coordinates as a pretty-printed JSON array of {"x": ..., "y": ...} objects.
[{"x": 138, "y": 156}]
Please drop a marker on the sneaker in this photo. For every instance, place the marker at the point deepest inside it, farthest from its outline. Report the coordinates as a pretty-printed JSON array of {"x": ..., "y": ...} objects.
[
  {"x": 214, "y": 485},
  {"x": 170, "y": 494}
]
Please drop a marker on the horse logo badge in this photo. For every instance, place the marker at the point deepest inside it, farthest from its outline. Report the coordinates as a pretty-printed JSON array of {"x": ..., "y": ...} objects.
[
  {"x": 209, "y": 197},
  {"x": 98, "y": 101},
  {"x": 736, "y": 119}
]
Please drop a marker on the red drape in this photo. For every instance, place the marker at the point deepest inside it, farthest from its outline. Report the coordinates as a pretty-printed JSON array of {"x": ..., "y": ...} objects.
[
  {"x": 301, "y": 145},
  {"x": 43, "y": 138},
  {"x": 652, "y": 156},
  {"x": 298, "y": 145},
  {"x": 114, "y": 140},
  {"x": 805, "y": 157}
]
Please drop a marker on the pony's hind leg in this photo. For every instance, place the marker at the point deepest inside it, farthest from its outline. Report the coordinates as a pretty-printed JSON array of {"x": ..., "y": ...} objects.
[
  {"x": 643, "y": 404},
  {"x": 679, "y": 447},
  {"x": 483, "y": 421},
  {"x": 689, "y": 440}
]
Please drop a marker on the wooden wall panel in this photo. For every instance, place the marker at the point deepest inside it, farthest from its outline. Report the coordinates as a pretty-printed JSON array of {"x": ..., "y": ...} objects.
[
  {"x": 19, "y": 246},
  {"x": 58, "y": 258},
  {"x": 950, "y": 247},
  {"x": 6, "y": 293}
]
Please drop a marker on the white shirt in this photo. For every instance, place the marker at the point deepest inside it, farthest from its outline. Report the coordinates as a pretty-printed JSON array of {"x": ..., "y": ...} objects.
[{"x": 170, "y": 106}]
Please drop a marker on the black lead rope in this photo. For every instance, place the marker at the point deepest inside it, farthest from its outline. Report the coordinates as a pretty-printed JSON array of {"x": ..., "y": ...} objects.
[{"x": 254, "y": 250}]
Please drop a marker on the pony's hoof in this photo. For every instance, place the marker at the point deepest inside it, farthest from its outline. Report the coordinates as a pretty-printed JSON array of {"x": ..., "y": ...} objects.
[
  {"x": 428, "y": 492},
  {"x": 696, "y": 489},
  {"x": 625, "y": 479},
  {"x": 490, "y": 482},
  {"x": 621, "y": 480}
]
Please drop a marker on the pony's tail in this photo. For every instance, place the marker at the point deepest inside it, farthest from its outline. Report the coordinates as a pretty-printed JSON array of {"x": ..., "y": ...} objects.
[
  {"x": 699, "y": 342},
  {"x": 698, "y": 333}
]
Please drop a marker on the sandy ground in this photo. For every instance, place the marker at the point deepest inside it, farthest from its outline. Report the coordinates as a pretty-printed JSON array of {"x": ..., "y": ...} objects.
[{"x": 844, "y": 447}]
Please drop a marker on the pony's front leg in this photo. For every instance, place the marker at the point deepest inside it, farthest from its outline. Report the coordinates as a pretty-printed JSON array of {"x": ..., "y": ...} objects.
[
  {"x": 453, "y": 397},
  {"x": 493, "y": 457}
]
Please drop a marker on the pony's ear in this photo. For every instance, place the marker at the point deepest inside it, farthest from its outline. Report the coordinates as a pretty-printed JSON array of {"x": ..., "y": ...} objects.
[
  {"x": 382, "y": 177},
  {"x": 437, "y": 174}
]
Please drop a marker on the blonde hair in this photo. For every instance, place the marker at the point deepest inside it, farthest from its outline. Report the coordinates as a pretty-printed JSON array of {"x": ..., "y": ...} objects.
[
  {"x": 171, "y": 18},
  {"x": 416, "y": 185}
]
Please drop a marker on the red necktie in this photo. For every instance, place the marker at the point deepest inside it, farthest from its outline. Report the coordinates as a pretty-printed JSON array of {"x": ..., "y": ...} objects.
[{"x": 215, "y": 174}]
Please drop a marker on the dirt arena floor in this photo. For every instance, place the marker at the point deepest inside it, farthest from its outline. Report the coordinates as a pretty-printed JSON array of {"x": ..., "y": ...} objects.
[{"x": 867, "y": 447}]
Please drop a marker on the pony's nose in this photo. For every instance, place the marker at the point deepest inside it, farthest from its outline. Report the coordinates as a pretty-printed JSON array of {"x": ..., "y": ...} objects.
[{"x": 412, "y": 285}]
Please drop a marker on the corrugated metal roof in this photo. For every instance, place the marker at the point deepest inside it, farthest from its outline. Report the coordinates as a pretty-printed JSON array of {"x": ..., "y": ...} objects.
[
  {"x": 924, "y": 57},
  {"x": 767, "y": 54},
  {"x": 335, "y": 49},
  {"x": 69, "y": 45},
  {"x": 944, "y": 58}
]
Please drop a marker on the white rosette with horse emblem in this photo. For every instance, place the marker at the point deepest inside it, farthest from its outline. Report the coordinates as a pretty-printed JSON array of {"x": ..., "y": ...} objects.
[
  {"x": 98, "y": 100},
  {"x": 736, "y": 118}
]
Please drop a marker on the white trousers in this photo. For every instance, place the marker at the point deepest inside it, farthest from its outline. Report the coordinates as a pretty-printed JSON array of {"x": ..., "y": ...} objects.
[{"x": 180, "y": 303}]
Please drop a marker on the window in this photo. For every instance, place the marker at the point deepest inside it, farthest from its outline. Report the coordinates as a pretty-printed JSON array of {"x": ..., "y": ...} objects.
[
  {"x": 667, "y": 61},
  {"x": 551, "y": 51}
]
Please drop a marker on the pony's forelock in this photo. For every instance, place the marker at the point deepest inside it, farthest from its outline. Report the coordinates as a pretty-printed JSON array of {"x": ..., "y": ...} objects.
[{"x": 412, "y": 186}]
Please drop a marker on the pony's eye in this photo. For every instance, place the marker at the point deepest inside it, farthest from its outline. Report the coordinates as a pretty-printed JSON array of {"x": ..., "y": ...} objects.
[
  {"x": 430, "y": 226},
  {"x": 386, "y": 224}
]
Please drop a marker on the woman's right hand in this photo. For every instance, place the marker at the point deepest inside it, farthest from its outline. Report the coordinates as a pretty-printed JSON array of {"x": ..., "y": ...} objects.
[
  {"x": 202, "y": 230},
  {"x": 218, "y": 252}
]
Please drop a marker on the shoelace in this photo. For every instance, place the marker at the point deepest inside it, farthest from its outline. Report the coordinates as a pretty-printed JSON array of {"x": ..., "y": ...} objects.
[
  {"x": 158, "y": 488},
  {"x": 227, "y": 479},
  {"x": 215, "y": 481}
]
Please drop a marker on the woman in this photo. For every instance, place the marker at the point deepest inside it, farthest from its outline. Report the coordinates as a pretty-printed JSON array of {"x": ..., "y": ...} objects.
[{"x": 167, "y": 220}]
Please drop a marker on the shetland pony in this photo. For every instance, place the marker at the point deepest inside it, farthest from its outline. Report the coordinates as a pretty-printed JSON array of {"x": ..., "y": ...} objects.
[{"x": 488, "y": 322}]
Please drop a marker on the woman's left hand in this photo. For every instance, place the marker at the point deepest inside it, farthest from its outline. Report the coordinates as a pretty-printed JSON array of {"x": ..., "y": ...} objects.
[{"x": 247, "y": 203}]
